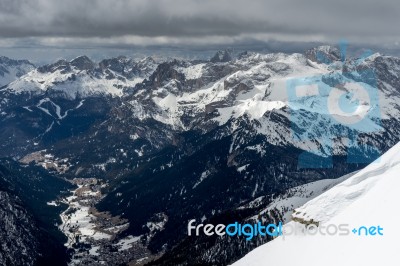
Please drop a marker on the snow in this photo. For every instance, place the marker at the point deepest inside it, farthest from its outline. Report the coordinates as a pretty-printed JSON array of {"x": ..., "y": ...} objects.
[
  {"x": 203, "y": 176},
  {"x": 259, "y": 86},
  {"x": 52, "y": 203},
  {"x": 27, "y": 108},
  {"x": 258, "y": 148},
  {"x": 57, "y": 108},
  {"x": 297, "y": 196},
  {"x": 265, "y": 78},
  {"x": 142, "y": 259},
  {"x": 49, "y": 128},
  {"x": 139, "y": 152},
  {"x": 338, "y": 198},
  {"x": 81, "y": 220},
  {"x": 72, "y": 84},
  {"x": 307, "y": 90},
  {"x": 94, "y": 251},
  {"x": 368, "y": 198},
  {"x": 193, "y": 71},
  {"x": 80, "y": 104},
  {"x": 90, "y": 193},
  {"x": 134, "y": 136},
  {"x": 126, "y": 243},
  {"x": 242, "y": 168},
  {"x": 167, "y": 103},
  {"x": 44, "y": 109},
  {"x": 254, "y": 108},
  {"x": 13, "y": 72},
  {"x": 170, "y": 107},
  {"x": 117, "y": 228}
]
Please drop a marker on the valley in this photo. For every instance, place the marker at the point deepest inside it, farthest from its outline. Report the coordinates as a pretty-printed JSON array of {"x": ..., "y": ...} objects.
[{"x": 92, "y": 236}]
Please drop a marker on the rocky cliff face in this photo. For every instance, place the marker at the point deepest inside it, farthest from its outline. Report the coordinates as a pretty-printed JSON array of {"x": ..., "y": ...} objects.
[
  {"x": 28, "y": 231},
  {"x": 19, "y": 243}
]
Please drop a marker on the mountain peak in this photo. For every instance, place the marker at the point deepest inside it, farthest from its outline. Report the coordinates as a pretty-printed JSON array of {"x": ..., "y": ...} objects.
[
  {"x": 222, "y": 56},
  {"x": 324, "y": 54},
  {"x": 83, "y": 63},
  {"x": 11, "y": 69},
  {"x": 13, "y": 62}
]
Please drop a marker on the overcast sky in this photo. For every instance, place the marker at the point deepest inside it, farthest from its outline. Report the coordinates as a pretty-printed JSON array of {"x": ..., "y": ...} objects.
[{"x": 119, "y": 23}]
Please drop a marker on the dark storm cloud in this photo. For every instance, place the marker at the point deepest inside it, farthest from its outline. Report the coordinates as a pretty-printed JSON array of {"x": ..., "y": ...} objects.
[
  {"x": 95, "y": 18},
  {"x": 175, "y": 20}
]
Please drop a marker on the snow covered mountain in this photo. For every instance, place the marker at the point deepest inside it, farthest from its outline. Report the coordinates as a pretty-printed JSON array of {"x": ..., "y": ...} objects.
[
  {"x": 238, "y": 124},
  {"x": 56, "y": 101},
  {"x": 81, "y": 77},
  {"x": 213, "y": 140},
  {"x": 200, "y": 96},
  {"x": 11, "y": 70},
  {"x": 365, "y": 199}
]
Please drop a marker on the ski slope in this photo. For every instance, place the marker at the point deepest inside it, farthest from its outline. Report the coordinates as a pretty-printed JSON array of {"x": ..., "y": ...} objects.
[{"x": 369, "y": 198}]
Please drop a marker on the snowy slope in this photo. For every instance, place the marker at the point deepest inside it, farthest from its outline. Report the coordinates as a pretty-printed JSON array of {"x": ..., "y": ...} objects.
[
  {"x": 296, "y": 197},
  {"x": 258, "y": 86},
  {"x": 369, "y": 198}
]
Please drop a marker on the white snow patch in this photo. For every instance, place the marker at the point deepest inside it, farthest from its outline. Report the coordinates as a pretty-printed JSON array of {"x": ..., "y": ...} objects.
[
  {"x": 203, "y": 176},
  {"x": 242, "y": 168},
  {"x": 126, "y": 243},
  {"x": 192, "y": 72},
  {"x": 52, "y": 203}
]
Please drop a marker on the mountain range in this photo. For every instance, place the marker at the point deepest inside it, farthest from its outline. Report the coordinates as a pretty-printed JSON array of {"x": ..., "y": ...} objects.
[{"x": 225, "y": 139}]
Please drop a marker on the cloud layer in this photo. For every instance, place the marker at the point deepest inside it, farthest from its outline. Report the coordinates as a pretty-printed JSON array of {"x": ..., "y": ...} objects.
[{"x": 175, "y": 21}]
